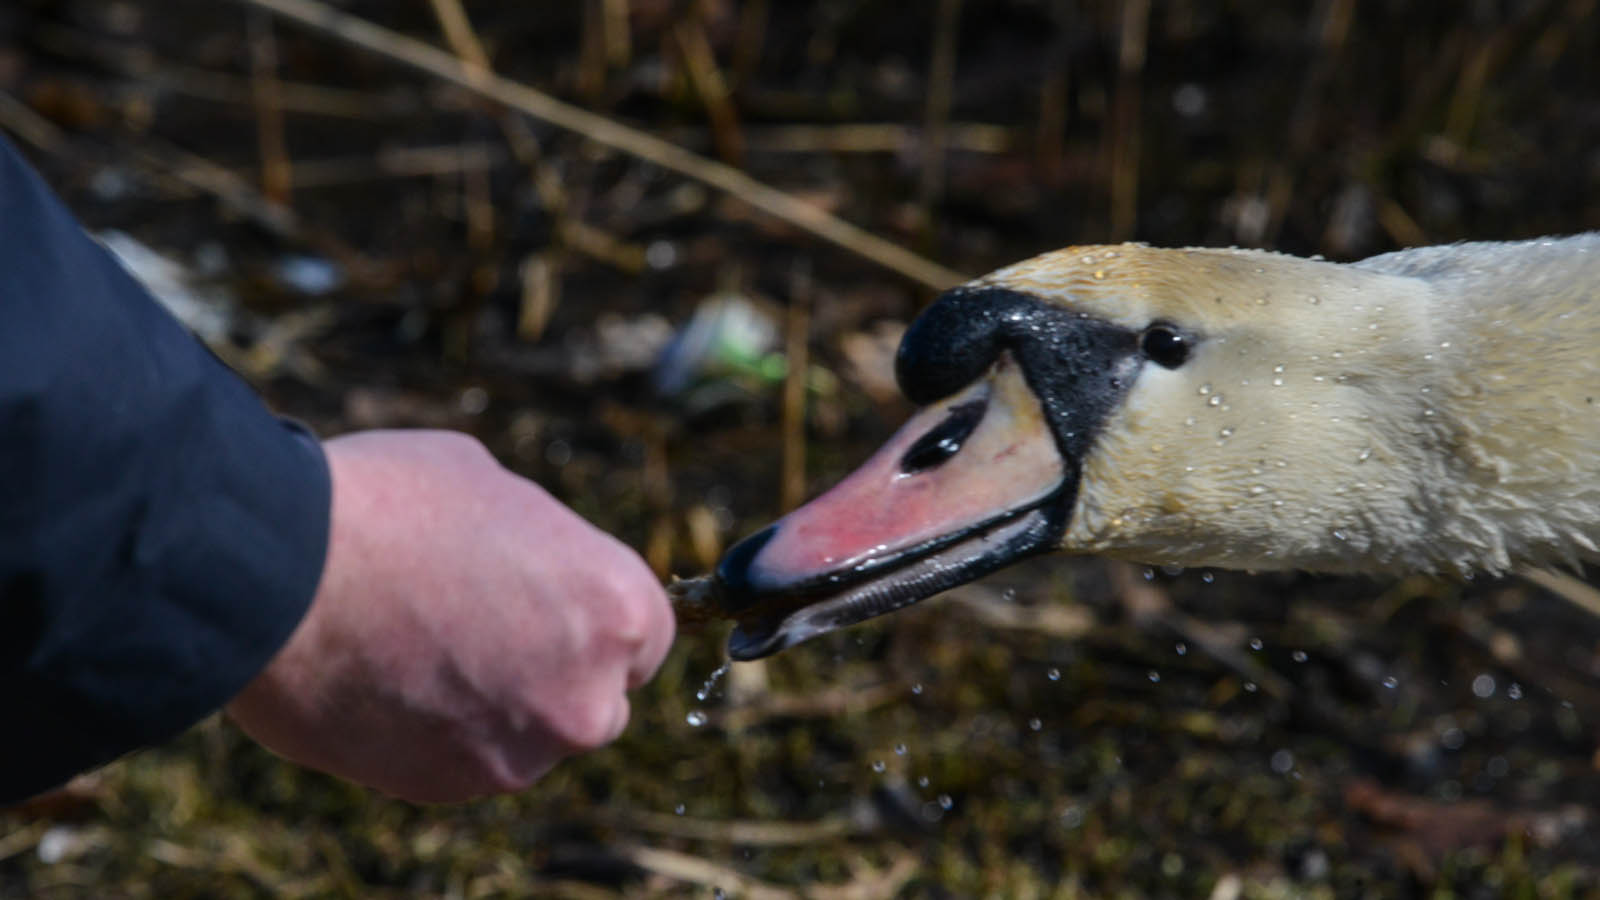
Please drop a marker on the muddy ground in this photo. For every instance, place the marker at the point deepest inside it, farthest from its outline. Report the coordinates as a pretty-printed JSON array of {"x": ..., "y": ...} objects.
[{"x": 380, "y": 248}]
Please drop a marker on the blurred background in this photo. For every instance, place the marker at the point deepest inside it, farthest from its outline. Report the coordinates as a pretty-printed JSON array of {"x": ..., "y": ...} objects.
[{"x": 381, "y": 236}]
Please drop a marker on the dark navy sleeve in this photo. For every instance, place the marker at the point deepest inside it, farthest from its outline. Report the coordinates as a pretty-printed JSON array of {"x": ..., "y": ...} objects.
[{"x": 161, "y": 533}]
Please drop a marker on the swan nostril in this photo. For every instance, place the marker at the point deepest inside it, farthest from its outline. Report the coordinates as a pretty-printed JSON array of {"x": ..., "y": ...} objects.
[
  {"x": 929, "y": 452},
  {"x": 945, "y": 439}
]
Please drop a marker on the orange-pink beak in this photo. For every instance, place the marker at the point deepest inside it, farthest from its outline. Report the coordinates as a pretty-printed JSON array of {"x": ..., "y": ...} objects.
[{"x": 968, "y": 485}]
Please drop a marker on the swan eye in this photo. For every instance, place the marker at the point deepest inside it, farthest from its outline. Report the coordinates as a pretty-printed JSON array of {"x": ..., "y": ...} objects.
[{"x": 1165, "y": 346}]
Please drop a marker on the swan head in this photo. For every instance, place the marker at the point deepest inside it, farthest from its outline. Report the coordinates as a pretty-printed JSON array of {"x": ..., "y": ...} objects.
[{"x": 1199, "y": 407}]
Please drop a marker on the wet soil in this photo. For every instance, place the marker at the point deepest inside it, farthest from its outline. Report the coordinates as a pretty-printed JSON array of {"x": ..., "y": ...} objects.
[{"x": 1071, "y": 727}]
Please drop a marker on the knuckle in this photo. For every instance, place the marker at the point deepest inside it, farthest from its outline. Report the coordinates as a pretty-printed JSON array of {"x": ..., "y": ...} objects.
[
  {"x": 639, "y": 624},
  {"x": 630, "y": 623},
  {"x": 620, "y": 582},
  {"x": 640, "y": 608}
]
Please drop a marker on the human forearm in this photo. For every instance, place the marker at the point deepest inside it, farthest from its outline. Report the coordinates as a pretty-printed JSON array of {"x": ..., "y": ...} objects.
[{"x": 161, "y": 533}]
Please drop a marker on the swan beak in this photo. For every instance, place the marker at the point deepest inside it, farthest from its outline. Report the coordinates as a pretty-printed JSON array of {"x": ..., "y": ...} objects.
[{"x": 968, "y": 485}]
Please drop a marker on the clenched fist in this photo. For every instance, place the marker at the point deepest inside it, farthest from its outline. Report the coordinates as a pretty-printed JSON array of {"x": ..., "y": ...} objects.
[{"x": 469, "y": 631}]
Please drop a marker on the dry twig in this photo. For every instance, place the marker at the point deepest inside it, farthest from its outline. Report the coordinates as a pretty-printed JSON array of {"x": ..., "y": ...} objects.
[
  {"x": 277, "y": 172},
  {"x": 694, "y": 600},
  {"x": 1330, "y": 29},
  {"x": 1125, "y": 130},
  {"x": 678, "y": 867},
  {"x": 236, "y": 194},
  {"x": 792, "y": 486},
  {"x": 936, "y": 116},
  {"x": 327, "y": 20},
  {"x": 744, "y": 832},
  {"x": 706, "y": 77},
  {"x": 877, "y": 137},
  {"x": 459, "y": 34},
  {"x": 28, "y": 126},
  {"x": 1568, "y": 588},
  {"x": 399, "y": 162}
]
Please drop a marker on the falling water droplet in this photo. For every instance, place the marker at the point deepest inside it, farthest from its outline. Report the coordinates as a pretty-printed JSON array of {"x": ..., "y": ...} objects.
[
  {"x": 899, "y": 749},
  {"x": 1514, "y": 691},
  {"x": 916, "y": 688},
  {"x": 1054, "y": 674},
  {"x": 1181, "y": 648},
  {"x": 1391, "y": 682},
  {"x": 1299, "y": 656},
  {"x": 1035, "y": 724},
  {"x": 1483, "y": 686},
  {"x": 879, "y": 765},
  {"x": 680, "y": 809},
  {"x": 1255, "y": 644},
  {"x": 1250, "y": 687},
  {"x": 1282, "y": 761},
  {"x": 922, "y": 781},
  {"x": 945, "y": 802},
  {"x": 1154, "y": 676},
  {"x": 695, "y": 718},
  {"x": 712, "y": 679}
]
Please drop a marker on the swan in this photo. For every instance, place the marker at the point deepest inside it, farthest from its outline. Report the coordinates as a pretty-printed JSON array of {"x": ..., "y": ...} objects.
[{"x": 1428, "y": 410}]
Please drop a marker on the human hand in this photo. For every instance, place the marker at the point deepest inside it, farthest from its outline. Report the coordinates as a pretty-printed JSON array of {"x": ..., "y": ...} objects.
[{"x": 468, "y": 633}]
